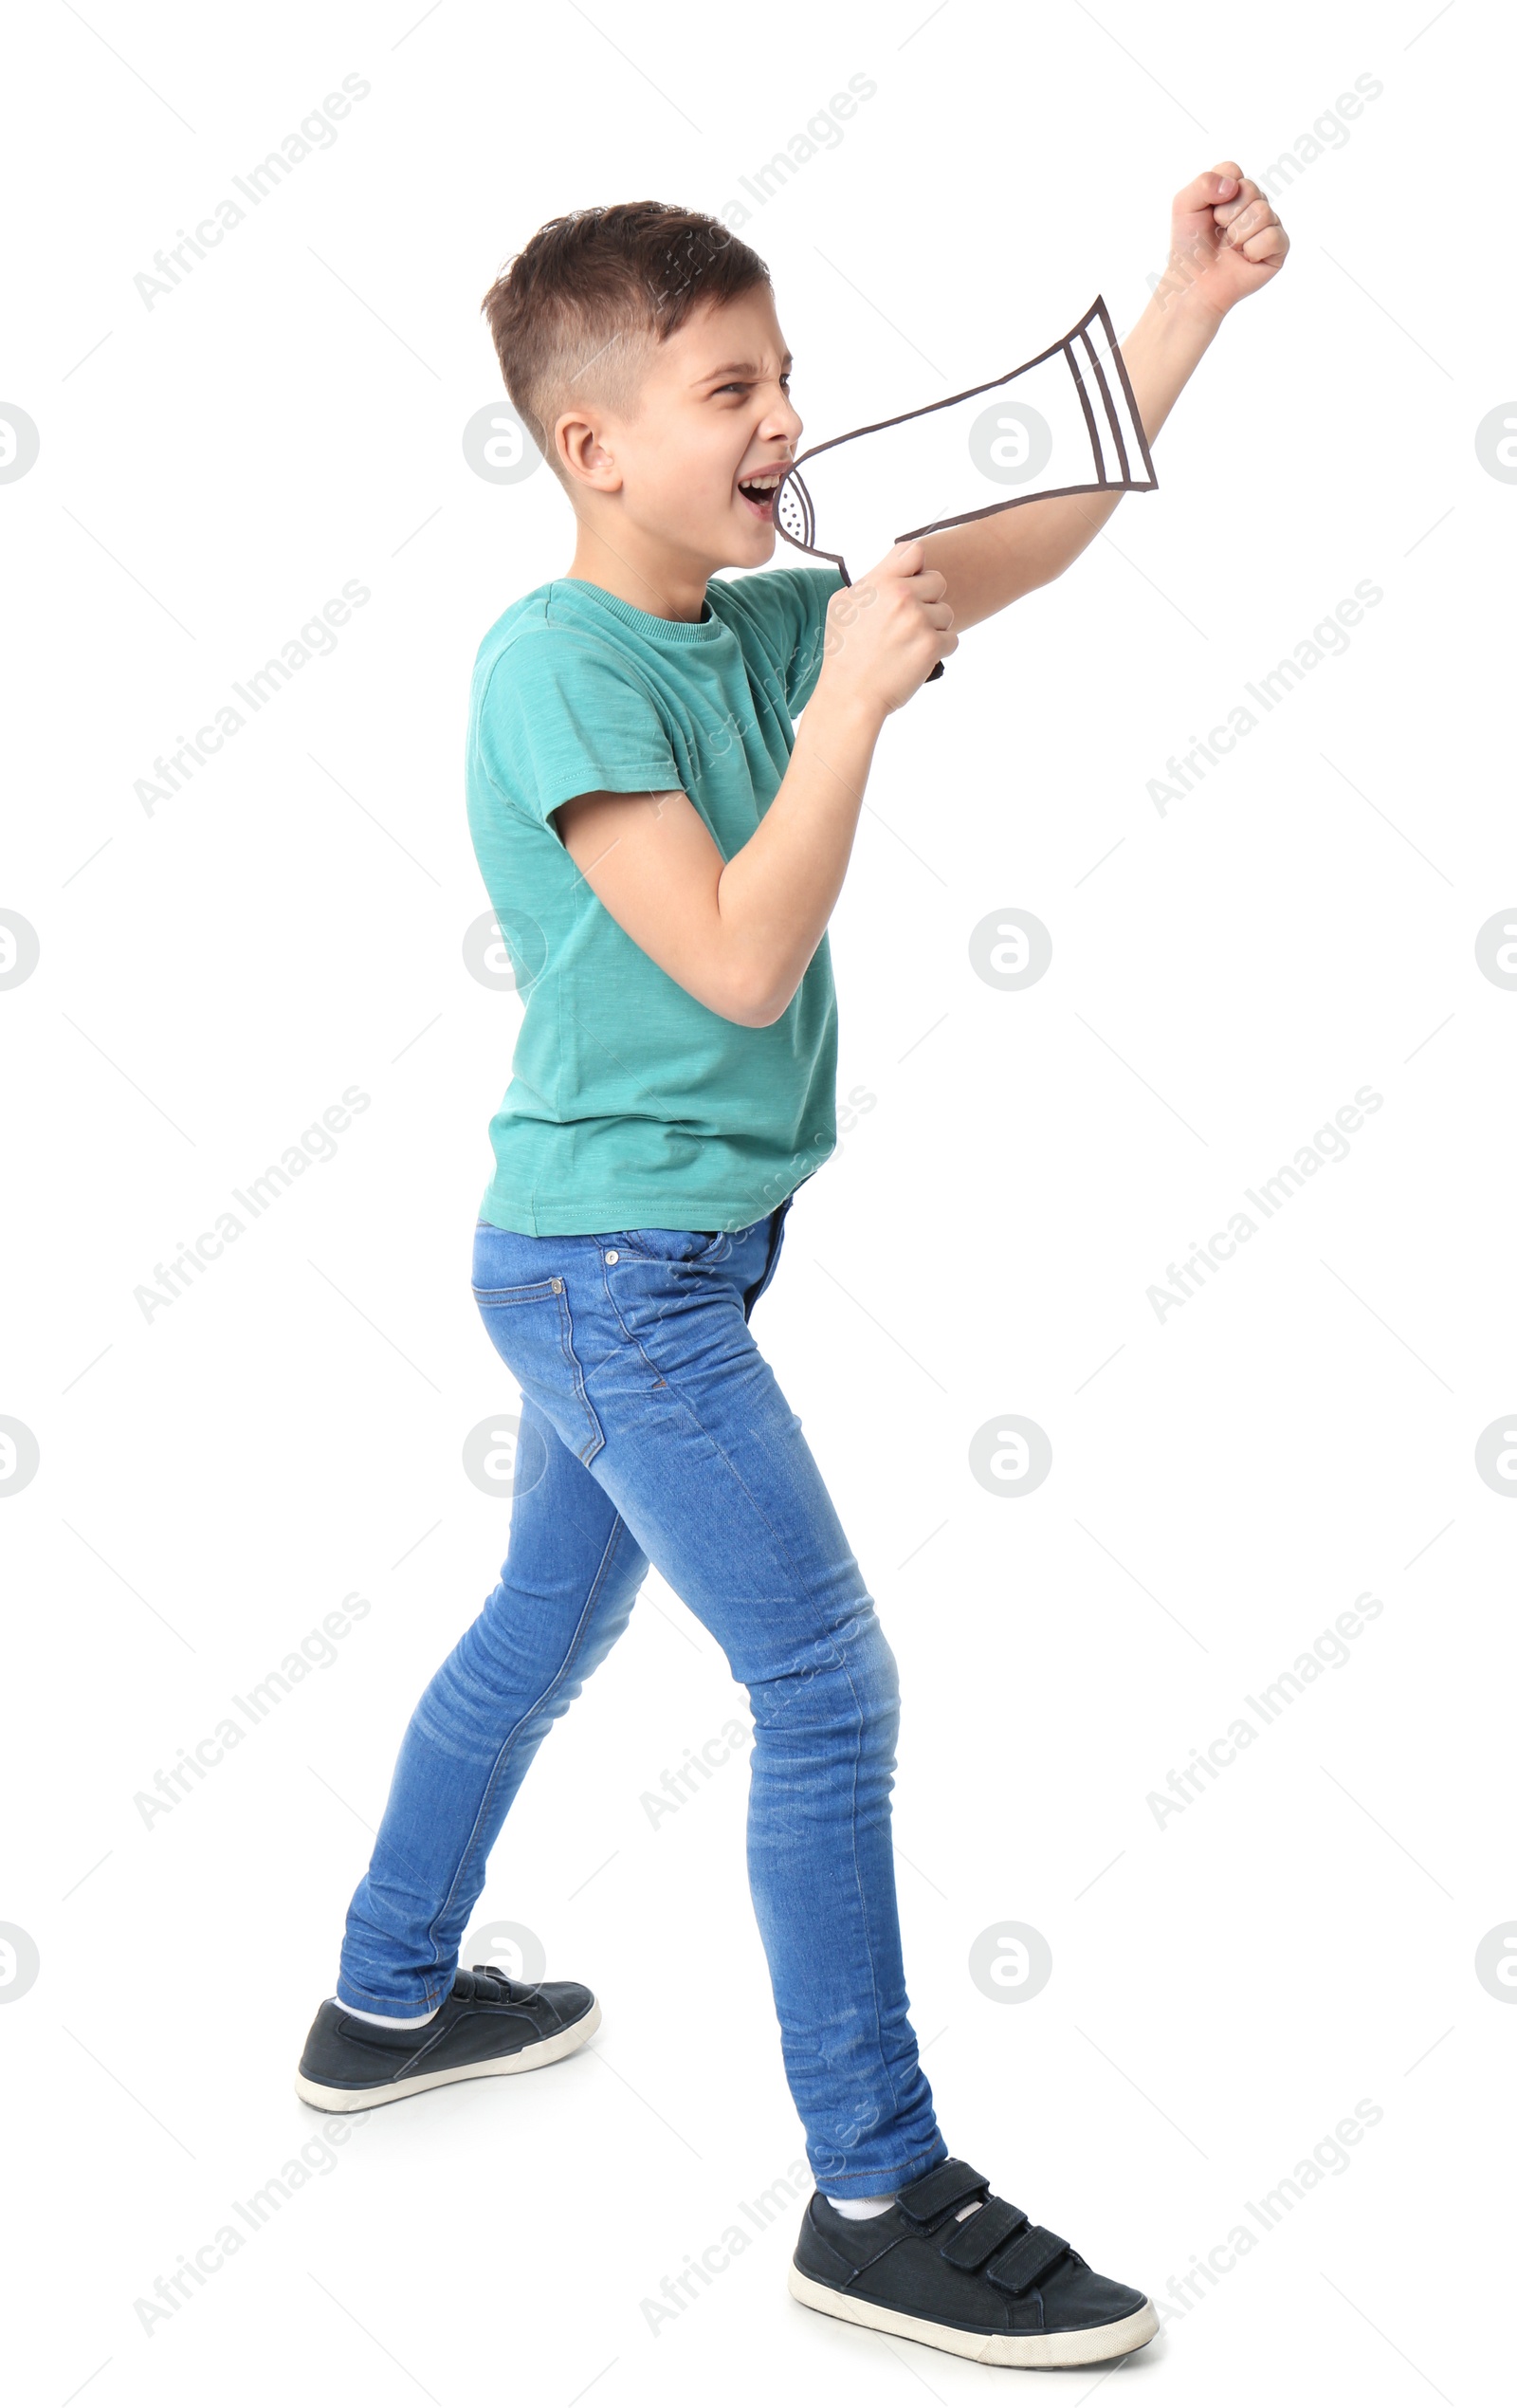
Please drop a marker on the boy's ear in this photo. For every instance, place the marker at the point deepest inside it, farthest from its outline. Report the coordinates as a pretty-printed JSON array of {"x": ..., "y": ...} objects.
[{"x": 586, "y": 457}]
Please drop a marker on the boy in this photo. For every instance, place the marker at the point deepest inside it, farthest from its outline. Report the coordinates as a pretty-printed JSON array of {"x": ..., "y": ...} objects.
[{"x": 664, "y": 852}]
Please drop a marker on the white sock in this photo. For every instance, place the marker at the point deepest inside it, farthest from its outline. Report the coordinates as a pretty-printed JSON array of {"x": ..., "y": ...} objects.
[
  {"x": 387, "y": 2023},
  {"x": 855, "y": 2208}
]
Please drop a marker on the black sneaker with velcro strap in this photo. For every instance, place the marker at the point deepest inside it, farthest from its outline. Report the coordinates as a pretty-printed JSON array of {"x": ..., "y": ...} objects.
[
  {"x": 951, "y": 2265},
  {"x": 488, "y": 2023}
]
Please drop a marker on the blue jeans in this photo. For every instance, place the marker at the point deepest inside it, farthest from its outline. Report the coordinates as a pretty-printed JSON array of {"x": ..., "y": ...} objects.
[{"x": 653, "y": 1430}]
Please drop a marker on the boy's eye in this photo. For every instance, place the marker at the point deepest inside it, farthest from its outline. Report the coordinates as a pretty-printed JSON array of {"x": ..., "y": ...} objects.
[{"x": 742, "y": 388}]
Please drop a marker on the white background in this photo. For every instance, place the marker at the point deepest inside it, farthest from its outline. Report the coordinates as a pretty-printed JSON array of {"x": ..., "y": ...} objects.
[{"x": 1226, "y": 1481}]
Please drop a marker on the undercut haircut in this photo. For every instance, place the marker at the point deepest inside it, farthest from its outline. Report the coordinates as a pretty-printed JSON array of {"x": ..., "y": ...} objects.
[{"x": 578, "y": 313}]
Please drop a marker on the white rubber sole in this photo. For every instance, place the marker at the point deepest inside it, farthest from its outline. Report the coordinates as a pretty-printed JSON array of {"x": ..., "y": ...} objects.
[
  {"x": 541, "y": 2053},
  {"x": 987, "y": 2349}
]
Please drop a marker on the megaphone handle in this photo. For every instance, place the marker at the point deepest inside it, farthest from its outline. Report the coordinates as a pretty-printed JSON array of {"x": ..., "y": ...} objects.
[{"x": 932, "y": 674}]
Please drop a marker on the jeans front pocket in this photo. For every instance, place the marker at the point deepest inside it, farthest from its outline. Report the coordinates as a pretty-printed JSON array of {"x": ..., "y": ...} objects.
[
  {"x": 532, "y": 1331},
  {"x": 670, "y": 1246}
]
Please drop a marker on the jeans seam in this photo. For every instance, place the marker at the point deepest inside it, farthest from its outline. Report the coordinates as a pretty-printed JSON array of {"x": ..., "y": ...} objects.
[
  {"x": 493, "y": 1781},
  {"x": 679, "y": 1395},
  {"x": 858, "y": 1884},
  {"x": 566, "y": 1340}
]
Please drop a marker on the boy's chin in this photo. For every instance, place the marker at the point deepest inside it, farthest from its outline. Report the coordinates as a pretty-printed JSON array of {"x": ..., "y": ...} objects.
[
  {"x": 743, "y": 545},
  {"x": 733, "y": 541}
]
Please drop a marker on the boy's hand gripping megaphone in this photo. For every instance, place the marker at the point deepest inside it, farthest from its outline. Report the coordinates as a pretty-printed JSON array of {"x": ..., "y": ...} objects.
[{"x": 1064, "y": 422}]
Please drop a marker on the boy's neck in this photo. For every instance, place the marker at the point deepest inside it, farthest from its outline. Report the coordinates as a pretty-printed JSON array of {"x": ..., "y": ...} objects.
[{"x": 650, "y": 575}]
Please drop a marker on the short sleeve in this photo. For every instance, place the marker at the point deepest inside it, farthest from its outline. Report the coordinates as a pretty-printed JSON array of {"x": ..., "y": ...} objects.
[
  {"x": 559, "y": 715},
  {"x": 787, "y": 610}
]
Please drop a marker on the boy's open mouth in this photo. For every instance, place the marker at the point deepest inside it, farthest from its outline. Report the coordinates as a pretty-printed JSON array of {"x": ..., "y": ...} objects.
[{"x": 758, "y": 490}]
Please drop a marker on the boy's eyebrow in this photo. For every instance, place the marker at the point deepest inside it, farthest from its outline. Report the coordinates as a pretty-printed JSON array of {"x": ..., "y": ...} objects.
[{"x": 741, "y": 368}]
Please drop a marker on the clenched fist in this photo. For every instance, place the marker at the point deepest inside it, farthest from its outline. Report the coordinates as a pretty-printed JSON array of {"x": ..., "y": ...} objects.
[{"x": 1226, "y": 242}]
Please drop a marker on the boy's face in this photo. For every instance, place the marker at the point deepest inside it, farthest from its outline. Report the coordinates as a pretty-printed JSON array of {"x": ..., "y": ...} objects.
[{"x": 714, "y": 410}]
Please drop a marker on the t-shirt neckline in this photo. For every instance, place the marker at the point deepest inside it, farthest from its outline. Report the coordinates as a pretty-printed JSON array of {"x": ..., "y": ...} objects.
[{"x": 709, "y": 628}]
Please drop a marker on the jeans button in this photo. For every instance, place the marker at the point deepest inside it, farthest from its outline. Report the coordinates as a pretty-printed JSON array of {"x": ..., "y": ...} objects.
[{"x": 613, "y": 1256}]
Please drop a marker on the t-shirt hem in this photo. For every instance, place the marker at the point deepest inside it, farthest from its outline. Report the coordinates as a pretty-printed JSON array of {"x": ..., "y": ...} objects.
[{"x": 555, "y": 1217}]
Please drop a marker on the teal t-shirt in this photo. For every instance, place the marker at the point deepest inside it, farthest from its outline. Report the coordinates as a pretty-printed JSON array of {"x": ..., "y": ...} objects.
[{"x": 631, "y": 1104}]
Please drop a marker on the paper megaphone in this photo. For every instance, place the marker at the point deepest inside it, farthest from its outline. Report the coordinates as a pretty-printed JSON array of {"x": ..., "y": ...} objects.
[{"x": 1064, "y": 422}]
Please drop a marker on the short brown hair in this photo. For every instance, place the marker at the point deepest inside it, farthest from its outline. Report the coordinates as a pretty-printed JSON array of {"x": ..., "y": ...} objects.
[{"x": 595, "y": 291}]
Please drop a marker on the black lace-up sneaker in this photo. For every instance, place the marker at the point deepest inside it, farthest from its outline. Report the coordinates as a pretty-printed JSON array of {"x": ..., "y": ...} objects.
[
  {"x": 490, "y": 2025},
  {"x": 954, "y": 2266}
]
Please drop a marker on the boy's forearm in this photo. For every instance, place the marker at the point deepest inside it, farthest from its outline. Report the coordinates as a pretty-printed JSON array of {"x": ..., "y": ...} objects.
[
  {"x": 996, "y": 560},
  {"x": 776, "y": 896}
]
